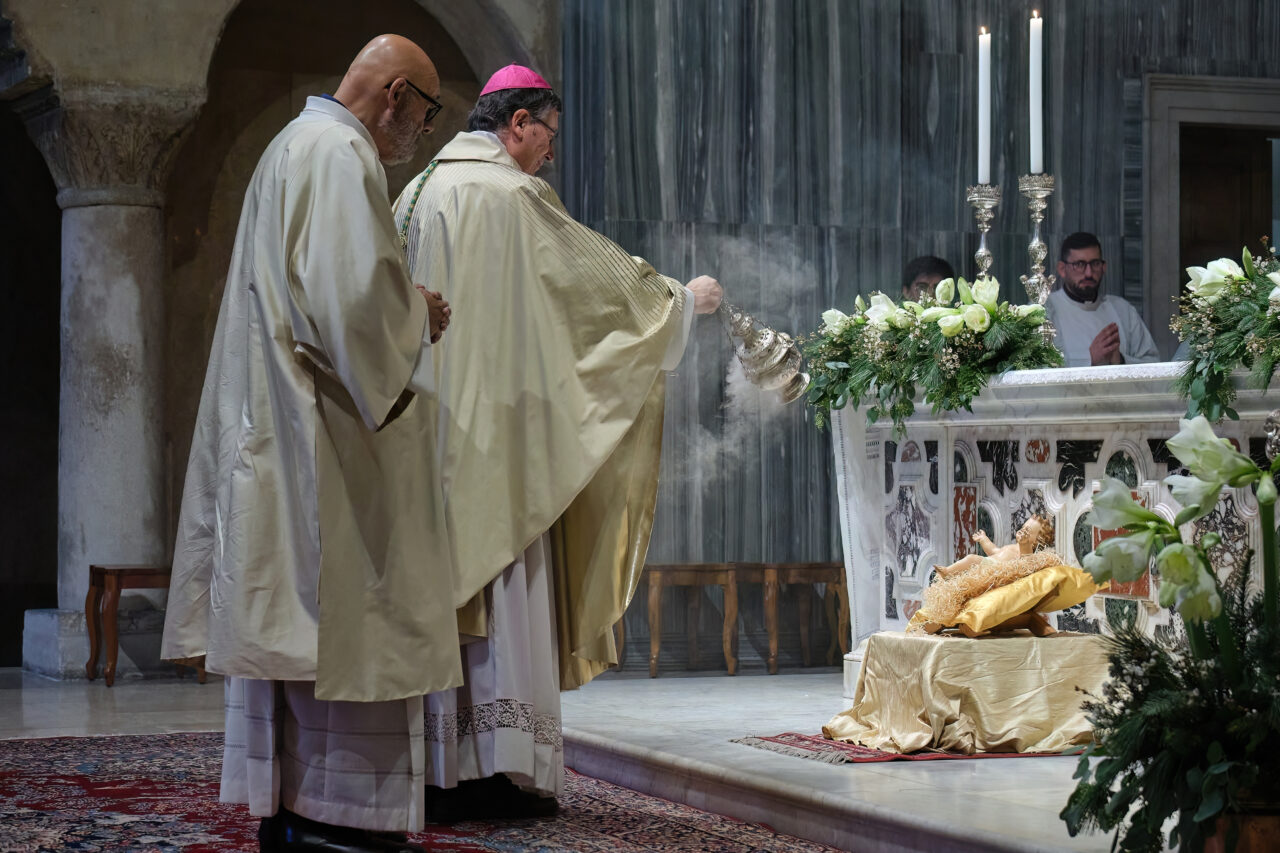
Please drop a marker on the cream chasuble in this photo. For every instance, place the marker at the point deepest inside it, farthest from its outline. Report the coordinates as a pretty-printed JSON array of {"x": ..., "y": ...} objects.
[
  {"x": 311, "y": 542},
  {"x": 550, "y": 389}
]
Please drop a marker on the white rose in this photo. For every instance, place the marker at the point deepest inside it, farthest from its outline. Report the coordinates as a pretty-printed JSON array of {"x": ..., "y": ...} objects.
[
  {"x": 976, "y": 317},
  {"x": 833, "y": 320}
]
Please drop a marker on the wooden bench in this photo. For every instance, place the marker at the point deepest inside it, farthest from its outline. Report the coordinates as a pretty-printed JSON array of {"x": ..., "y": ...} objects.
[
  {"x": 773, "y": 576},
  {"x": 693, "y": 575},
  {"x": 101, "y": 605}
]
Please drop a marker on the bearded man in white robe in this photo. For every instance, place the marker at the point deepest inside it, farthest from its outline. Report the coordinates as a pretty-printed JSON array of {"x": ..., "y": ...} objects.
[
  {"x": 311, "y": 556},
  {"x": 1092, "y": 328},
  {"x": 550, "y": 426}
]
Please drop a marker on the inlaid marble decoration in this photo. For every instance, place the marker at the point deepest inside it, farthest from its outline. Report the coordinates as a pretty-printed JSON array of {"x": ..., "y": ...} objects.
[
  {"x": 1073, "y": 456},
  {"x": 908, "y": 528},
  {"x": 1041, "y": 443},
  {"x": 1003, "y": 458},
  {"x": 1031, "y": 503},
  {"x": 964, "y": 519},
  {"x": 1226, "y": 518},
  {"x": 1124, "y": 471},
  {"x": 931, "y": 455}
]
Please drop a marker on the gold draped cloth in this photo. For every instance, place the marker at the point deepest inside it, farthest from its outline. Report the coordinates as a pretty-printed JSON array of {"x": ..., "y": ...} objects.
[
  {"x": 1007, "y": 693},
  {"x": 1043, "y": 590},
  {"x": 550, "y": 390}
]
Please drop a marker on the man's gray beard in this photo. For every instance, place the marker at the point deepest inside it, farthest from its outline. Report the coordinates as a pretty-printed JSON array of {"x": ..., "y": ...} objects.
[{"x": 402, "y": 134}]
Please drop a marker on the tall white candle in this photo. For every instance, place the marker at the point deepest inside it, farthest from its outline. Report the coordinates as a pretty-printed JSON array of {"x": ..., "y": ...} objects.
[
  {"x": 984, "y": 106},
  {"x": 1036, "y": 77}
]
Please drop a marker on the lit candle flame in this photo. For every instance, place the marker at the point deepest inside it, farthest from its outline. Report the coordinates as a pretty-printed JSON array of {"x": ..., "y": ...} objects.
[
  {"x": 1035, "y": 13},
  {"x": 982, "y": 31}
]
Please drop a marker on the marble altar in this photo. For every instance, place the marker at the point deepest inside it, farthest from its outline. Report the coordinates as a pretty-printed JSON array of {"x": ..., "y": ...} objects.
[{"x": 1036, "y": 442}]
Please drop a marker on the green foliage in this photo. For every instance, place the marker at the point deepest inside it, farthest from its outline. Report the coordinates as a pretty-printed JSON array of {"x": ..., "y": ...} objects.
[
  {"x": 1178, "y": 733},
  {"x": 880, "y": 360},
  {"x": 1231, "y": 321}
]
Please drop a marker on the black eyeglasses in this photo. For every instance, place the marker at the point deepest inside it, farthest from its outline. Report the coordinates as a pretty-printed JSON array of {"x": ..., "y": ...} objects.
[
  {"x": 554, "y": 131},
  {"x": 1096, "y": 265},
  {"x": 434, "y": 107}
]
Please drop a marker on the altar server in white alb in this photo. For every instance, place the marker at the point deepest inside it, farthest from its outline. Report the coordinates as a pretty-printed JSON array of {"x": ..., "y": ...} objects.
[
  {"x": 1091, "y": 328},
  {"x": 551, "y": 397},
  {"x": 311, "y": 566}
]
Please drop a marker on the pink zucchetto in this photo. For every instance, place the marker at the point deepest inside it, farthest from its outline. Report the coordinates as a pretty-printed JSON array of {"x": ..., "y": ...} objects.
[{"x": 514, "y": 77}]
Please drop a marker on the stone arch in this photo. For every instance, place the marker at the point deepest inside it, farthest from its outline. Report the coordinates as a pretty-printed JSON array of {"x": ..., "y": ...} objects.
[
  {"x": 29, "y": 289},
  {"x": 256, "y": 83}
]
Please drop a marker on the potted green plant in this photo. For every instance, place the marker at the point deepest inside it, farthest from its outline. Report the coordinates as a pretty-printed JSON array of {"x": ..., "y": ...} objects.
[{"x": 1187, "y": 728}]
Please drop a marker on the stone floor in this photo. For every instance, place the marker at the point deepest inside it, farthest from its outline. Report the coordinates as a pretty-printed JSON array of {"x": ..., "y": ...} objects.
[{"x": 670, "y": 737}]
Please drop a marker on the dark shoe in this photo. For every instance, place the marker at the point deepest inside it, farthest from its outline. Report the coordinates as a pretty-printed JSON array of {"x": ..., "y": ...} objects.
[
  {"x": 286, "y": 832},
  {"x": 491, "y": 798}
]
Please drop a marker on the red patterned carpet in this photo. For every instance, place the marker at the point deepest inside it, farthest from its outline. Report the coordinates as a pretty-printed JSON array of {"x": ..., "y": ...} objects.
[
  {"x": 818, "y": 748},
  {"x": 160, "y": 793}
]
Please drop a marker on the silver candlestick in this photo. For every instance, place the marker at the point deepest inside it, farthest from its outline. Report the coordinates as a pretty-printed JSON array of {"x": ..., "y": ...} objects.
[
  {"x": 1037, "y": 189},
  {"x": 984, "y": 198}
]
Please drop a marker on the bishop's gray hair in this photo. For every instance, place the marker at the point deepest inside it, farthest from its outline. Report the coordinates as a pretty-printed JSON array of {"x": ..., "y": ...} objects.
[{"x": 494, "y": 110}]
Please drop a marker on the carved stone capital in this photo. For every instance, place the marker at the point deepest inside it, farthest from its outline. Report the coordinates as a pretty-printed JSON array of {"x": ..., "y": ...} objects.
[{"x": 109, "y": 145}]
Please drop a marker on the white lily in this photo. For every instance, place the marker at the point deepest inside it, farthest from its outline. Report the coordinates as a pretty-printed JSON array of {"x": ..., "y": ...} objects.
[
  {"x": 1192, "y": 491},
  {"x": 881, "y": 309},
  {"x": 1199, "y": 600},
  {"x": 986, "y": 292},
  {"x": 901, "y": 318},
  {"x": 1208, "y": 282},
  {"x": 931, "y": 315},
  {"x": 951, "y": 325},
  {"x": 946, "y": 291},
  {"x": 966, "y": 295},
  {"x": 1179, "y": 564},
  {"x": 833, "y": 320},
  {"x": 1114, "y": 507},
  {"x": 915, "y": 307},
  {"x": 1209, "y": 457},
  {"x": 1123, "y": 558},
  {"x": 976, "y": 317},
  {"x": 1033, "y": 314},
  {"x": 859, "y": 304}
]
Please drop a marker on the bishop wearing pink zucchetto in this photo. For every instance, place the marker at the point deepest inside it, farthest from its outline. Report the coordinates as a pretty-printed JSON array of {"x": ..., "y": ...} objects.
[{"x": 550, "y": 405}]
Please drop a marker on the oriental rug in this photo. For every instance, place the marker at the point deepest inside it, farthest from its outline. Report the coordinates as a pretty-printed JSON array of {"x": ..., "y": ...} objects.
[
  {"x": 818, "y": 748},
  {"x": 159, "y": 794}
]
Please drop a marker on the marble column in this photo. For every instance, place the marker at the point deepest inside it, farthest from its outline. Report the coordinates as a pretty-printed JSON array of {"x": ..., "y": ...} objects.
[{"x": 108, "y": 151}]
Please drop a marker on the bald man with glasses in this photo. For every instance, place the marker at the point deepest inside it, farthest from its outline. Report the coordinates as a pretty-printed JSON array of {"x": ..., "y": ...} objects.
[
  {"x": 312, "y": 563},
  {"x": 1093, "y": 328}
]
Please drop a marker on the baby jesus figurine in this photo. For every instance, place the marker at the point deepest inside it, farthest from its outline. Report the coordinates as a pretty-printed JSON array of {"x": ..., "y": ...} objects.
[
  {"x": 1035, "y": 533},
  {"x": 975, "y": 574}
]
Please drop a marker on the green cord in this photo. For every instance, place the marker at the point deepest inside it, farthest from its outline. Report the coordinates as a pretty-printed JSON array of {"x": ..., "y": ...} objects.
[{"x": 413, "y": 202}]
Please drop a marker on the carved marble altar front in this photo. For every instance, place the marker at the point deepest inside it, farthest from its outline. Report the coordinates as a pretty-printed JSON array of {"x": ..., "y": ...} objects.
[{"x": 1036, "y": 442}]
